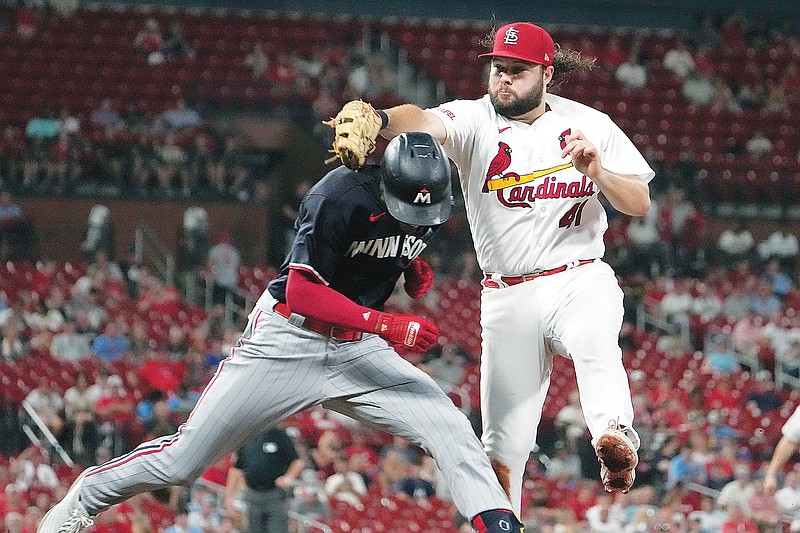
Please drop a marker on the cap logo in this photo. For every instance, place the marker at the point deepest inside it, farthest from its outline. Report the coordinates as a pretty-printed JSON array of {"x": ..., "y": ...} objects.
[
  {"x": 511, "y": 36},
  {"x": 546, "y": 56},
  {"x": 423, "y": 197}
]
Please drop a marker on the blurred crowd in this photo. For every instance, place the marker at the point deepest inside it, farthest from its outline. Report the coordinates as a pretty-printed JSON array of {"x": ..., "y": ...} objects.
[{"x": 132, "y": 375}]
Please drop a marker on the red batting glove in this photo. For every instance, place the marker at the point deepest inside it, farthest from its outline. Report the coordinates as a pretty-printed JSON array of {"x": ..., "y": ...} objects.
[
  {"x": 419, "y": 278},
  {"x": 409, "y": 331}
]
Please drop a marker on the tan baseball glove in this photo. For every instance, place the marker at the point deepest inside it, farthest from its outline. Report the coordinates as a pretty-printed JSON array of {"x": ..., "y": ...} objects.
[{"x": 357, "y": 126}]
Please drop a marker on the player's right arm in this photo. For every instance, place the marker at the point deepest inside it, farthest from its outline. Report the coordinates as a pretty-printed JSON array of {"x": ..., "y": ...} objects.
[
  {"x": 307, "y": 296},
  {"x": 408, "y": 117}
]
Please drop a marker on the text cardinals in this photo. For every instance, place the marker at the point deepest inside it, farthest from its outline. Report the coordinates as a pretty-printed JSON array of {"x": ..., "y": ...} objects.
[{"x": 524, "y": 195}]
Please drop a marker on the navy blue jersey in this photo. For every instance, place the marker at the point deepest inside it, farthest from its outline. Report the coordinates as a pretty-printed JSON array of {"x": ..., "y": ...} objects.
[{"x": 348, "y": 241}]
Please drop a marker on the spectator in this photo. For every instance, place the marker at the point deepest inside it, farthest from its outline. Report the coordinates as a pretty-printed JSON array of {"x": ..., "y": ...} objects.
[
  {"x": 149, "y": 42},
  {"x": 183, "y": 400},
  {"x": 204, "y": 513},
  {"x": 612, "y": 54},
  {"x": 13, "y": 345},
  {"x": 723, "y": 98},
  {"x": 749, "y": 97},
  {"x": 710, "y": 516},
  {"x": 698, "y": 89},
  {"x": 679, "y": 61},
  {"x": 775, "y": 99},
  {"x": 675, "y": 305},
  {"x": 758, "y": 145},
  {"x": 720, "y": 356},
  {"x": 46, "y": 400},
  {"x": 115, "y": 412},
  {"x": 735, "y": 244},
  {"x": 358, "y": 78},
  {"x": 735, "y": 305},
  {"x": 16, "y": 230},
  {"x": 175, "y": 43},
  {"x": 685, "y": 468},
  {"x": 763, "y": 395},
  {"x": 170, "y": 167},
  {"x": 179, "y": 117},
  {"x": 706, "y": 302},
  {"x": 603, "y": 517},
  {"x": 781, "y": 245},
  {"x": 704, "y": 31},
  {"x": 788, "y": 496},
  {"x": 161, "y": 424},
  {"x": 181, "y": 524},
  {"x": 324, "y": 106},
  {"x": 223, "y": 265},
  {"x": 762, "y": 508},
  {"x": 80, "y": 403},
  {"x": 282, "y": 75},
  {"x": 735, "y": 493},
  {"x": 448, "y": 368},
  {"x": 413, "y": 484},
  {"x": 346, "y": 484},
  {"x": 632, "y": 73},
  {"x": 69, "y": 345},
  {"x": 763, "y": 301},
  {"x": 112, "y": 343},
  {"x": 690, "y": 240},
  {"x": 564, "y": 465},
  {"x": 258, "y": 62},
  {"x": 31, "y": 470},
  {"x": 780, "y": 282},
  {"x": 43, "y": 127}
]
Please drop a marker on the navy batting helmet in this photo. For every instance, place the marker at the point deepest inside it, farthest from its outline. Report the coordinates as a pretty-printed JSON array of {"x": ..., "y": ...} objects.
[{"x": 415, "y": 180}]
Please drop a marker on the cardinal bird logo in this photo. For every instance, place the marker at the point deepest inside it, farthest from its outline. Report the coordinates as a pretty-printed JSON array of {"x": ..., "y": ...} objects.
[
  {"x": 499, "y": 163},
  {"x": 562, "y": 139}
]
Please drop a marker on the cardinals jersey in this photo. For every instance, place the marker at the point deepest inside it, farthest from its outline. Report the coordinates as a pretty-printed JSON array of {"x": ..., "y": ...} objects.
[{"x": 528, "y": 207}]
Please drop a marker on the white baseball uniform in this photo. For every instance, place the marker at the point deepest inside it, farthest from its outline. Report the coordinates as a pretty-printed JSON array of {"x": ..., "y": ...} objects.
[
  {"x": 791, "y": 428},
  {"x": 531, "y": 211}
]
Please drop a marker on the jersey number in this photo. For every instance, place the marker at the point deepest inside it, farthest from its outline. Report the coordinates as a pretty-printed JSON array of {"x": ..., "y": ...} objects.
[{"x": 573, "y": 215}]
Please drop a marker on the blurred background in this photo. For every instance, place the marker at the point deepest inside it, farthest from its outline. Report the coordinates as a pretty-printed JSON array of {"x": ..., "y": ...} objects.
[{"x": 152, "y": 159}]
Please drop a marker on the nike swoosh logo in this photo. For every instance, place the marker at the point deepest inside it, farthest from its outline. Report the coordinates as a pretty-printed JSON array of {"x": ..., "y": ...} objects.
[
  {"x": 501, "y": 130},
  {"x": 375, "y": 218}
]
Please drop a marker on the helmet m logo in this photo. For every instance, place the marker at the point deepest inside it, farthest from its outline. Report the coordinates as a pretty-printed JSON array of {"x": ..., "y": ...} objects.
[
  {"x": 511, "y": 36},
  {"x": 423, "y": 197}
]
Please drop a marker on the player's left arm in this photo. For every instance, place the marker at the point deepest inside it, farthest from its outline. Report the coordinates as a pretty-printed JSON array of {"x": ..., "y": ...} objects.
[{"x": 627, "y": 193}]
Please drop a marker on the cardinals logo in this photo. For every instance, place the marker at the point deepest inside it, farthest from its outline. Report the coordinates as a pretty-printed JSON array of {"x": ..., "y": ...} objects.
[
  {"x": 499, "y": 164},
  {"x": 562, "y": 139},
  {"x": 514, "y": 190}
]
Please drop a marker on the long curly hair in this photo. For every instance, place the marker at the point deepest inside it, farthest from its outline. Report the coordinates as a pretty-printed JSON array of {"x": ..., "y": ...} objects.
[{"x": 565, "y": 61}]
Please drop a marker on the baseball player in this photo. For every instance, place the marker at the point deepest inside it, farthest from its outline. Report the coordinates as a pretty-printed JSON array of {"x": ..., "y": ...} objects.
[
  {"x": 317, "y": 336},
  {"x": 787, "y": 445},
  {"x": 532, "y": 165}
]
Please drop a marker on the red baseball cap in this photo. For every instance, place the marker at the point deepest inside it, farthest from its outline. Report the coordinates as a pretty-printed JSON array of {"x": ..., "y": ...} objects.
[{"x": 525, "y": 41}]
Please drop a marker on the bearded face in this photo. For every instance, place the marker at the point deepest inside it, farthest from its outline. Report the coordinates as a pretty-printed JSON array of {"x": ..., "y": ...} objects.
[{"x": 515, "y": 92}]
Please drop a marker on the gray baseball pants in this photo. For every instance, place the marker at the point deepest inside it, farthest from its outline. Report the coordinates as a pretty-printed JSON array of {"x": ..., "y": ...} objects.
[{"x": 277, "y": 369}]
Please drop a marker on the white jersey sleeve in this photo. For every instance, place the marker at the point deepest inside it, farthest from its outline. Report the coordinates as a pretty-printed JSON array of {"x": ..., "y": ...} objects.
[
  {"x": 791, "y": 428},
  {"x": 527, "y": 206}
]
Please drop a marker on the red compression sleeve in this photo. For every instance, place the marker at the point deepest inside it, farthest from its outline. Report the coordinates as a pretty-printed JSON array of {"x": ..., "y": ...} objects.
[{"x": 308, "y": 297}]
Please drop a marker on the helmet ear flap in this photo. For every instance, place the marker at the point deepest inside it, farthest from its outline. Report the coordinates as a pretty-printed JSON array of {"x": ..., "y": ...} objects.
[{"x": 416, "y": 180}]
